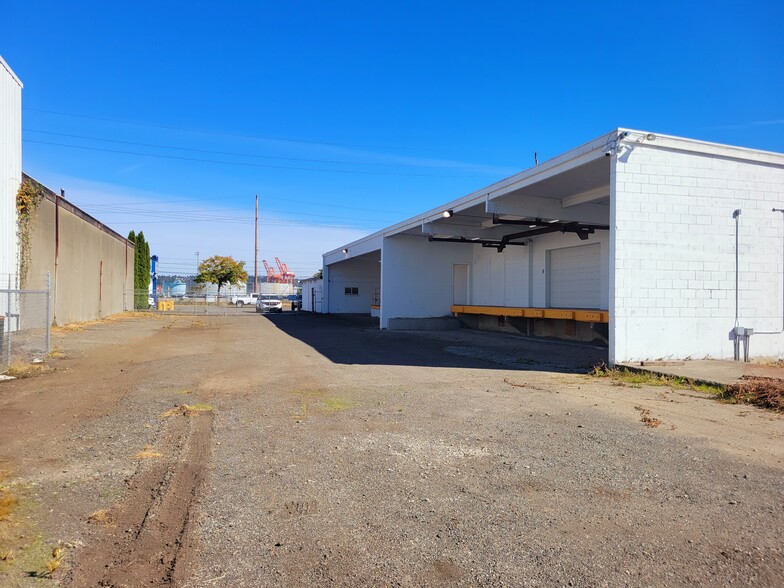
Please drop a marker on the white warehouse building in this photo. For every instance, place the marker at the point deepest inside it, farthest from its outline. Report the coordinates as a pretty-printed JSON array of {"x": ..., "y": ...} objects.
[
  {"x": 10, "y": 170},
  {"x": 658, "y": 246}
]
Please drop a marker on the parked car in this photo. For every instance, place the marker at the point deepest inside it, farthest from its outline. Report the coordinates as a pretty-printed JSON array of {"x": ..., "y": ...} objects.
[
  {"x": 241, "y": 301},
  {"x": 296, "y": 301},
  {"x": 269, "y": 304}
]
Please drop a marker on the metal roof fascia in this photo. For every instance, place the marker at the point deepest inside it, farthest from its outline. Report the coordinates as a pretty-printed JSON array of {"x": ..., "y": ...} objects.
[
  {"x": 10, "y": 71},
  {"x": 494, "y": 190},
  {"x": 705, "y": 147}
]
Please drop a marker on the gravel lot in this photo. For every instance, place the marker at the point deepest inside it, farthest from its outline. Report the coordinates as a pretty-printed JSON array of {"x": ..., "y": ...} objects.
[{"x": 339, "y": 455}]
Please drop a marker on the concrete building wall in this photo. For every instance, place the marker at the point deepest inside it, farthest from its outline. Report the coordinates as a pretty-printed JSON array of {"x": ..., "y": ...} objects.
[
  {"x": 362, "y": 273},
  {"x": 673, "y": 262},
  {"x": 95, "y": 267},
  {"x": 417, "y": 277},
  {"x": 10, "y": 170}
]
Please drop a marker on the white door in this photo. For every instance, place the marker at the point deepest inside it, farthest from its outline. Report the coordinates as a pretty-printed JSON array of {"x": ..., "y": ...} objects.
[
  {"x": 574, "y": 277},
  {"x": 460, "y": 283}
]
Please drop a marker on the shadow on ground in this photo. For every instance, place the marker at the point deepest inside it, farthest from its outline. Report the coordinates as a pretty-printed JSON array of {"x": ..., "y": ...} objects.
[{"x": 352, "y": 339}]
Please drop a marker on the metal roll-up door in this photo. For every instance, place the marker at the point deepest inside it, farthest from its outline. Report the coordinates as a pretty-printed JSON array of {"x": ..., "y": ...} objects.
[{"x": 574, "y": 275}]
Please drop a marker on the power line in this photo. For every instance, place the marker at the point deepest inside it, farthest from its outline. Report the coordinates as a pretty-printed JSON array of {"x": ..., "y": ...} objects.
[
  {"x": 212, "y": 132},
  {"x": 148, "y": 202},
  {"x": 196, "y": 214},
  {"x": 244, "y": 164},
  {"x": 158, "y": 146}
]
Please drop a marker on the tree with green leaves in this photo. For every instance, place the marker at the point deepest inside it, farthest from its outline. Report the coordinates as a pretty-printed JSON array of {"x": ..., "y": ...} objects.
[
  {"x": 220, "y": 270},
  {"x": 141, "y": 269}
]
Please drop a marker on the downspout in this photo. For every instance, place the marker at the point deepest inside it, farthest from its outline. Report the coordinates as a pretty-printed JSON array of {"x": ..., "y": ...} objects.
[
  {"x": 736, "y": 216},
  {"x": 56, "y": 250}
]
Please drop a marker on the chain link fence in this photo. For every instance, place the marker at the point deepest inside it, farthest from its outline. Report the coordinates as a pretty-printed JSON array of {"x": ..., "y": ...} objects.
[
  {"x": 190, "y": 303},
  {"x": 25, "y": 323}
]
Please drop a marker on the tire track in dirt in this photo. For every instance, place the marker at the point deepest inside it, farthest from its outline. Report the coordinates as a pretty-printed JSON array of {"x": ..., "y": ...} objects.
[{"x": 151, "y": 537}]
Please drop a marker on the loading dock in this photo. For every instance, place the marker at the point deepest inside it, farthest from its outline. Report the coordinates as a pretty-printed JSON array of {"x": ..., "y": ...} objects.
[{"x": 627, "y": 239}]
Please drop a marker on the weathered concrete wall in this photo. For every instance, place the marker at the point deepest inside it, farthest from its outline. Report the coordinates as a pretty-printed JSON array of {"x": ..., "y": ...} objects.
[{"x": 95, "y": 264}]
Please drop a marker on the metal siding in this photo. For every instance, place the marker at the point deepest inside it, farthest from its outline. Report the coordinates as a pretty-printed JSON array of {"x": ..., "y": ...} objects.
[
  {"x": 575, "y": 277},
  {"x": 10, "y": 168}
]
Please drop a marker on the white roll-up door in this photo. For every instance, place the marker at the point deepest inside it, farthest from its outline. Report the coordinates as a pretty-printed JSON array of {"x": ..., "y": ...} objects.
[{"x": 575, "y": 277}]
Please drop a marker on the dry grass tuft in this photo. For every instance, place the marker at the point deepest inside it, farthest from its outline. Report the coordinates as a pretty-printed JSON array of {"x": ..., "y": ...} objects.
[
  {"x": 187, "y": 410},
  {"x": 101, "y": 517},
  {"x": 57, "y": 353},
  {"x": 193, "y": 409},
  {"x": 7, "y": 500},
  {"x": 55, "y": 562},
  {"x": 27, "y": 370},
  {"x": 147, "y": 453},
  {"x": 113, "y": 318}
]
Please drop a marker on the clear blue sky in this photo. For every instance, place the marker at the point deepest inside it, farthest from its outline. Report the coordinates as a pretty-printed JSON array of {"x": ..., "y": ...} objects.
[{"x": 347, "y": 116}]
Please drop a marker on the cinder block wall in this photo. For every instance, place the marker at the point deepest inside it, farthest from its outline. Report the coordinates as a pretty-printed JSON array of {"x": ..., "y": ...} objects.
[{"x": 673, "y": 255}]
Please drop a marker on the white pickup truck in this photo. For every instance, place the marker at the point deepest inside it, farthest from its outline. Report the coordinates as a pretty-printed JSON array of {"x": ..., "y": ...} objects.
[{"x": 241, "y": 301}]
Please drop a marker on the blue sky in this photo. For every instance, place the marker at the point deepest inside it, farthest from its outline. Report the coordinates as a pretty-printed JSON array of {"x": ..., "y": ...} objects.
[{"x": 349, "y": 116}]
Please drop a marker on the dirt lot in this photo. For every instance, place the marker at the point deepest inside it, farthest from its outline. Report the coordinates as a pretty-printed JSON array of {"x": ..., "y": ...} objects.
[{"x": 297, "y": 450}]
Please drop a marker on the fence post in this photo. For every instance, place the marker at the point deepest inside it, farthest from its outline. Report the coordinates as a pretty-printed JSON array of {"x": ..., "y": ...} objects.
[
  {"x": 8, "y": 323},
  {"x": 48, "y": 322}
]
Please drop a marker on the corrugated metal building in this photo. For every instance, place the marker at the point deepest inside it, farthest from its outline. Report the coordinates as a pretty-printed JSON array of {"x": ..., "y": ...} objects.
[{"x": 10, "y": 168}]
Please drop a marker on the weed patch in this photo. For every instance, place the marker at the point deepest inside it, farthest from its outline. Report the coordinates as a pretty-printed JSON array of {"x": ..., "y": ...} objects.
[
  {"x": 635, "y": 379},
  {"x": 331, "y": 405},
  {"x": 23, "y": 551}
]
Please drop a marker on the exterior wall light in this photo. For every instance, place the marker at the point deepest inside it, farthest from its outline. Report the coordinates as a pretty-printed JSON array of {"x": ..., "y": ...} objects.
[
  {"x": 447, "y": 213},
  {"x": 345, "y": 250}
]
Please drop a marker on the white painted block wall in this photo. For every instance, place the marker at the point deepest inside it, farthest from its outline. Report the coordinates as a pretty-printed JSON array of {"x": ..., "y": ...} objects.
[
  {"x": 312, "y": 295},
  {"x": 10, "y": 170},
  {"x": 417, "y": 277},
  {"x": 673, "y": 268},
  {"x": 362, "y": 272}
]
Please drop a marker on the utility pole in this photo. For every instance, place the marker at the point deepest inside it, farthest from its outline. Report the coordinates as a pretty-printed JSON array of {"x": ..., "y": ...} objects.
[
  {"x": 197, "y": 263},
  {"x": 256, "y": 257}
]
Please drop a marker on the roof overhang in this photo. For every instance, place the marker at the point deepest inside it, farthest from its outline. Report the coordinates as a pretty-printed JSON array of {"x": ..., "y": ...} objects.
[{"x": 572, "y": 189}]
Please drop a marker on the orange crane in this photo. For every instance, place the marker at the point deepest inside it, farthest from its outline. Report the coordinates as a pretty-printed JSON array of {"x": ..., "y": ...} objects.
[
  {"x": 271, "y": 275},
  {"x": 286, "y": 276}
]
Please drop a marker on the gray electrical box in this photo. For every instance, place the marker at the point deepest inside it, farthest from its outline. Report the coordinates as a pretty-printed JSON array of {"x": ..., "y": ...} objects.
[{"x": 743, "y": 331}]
